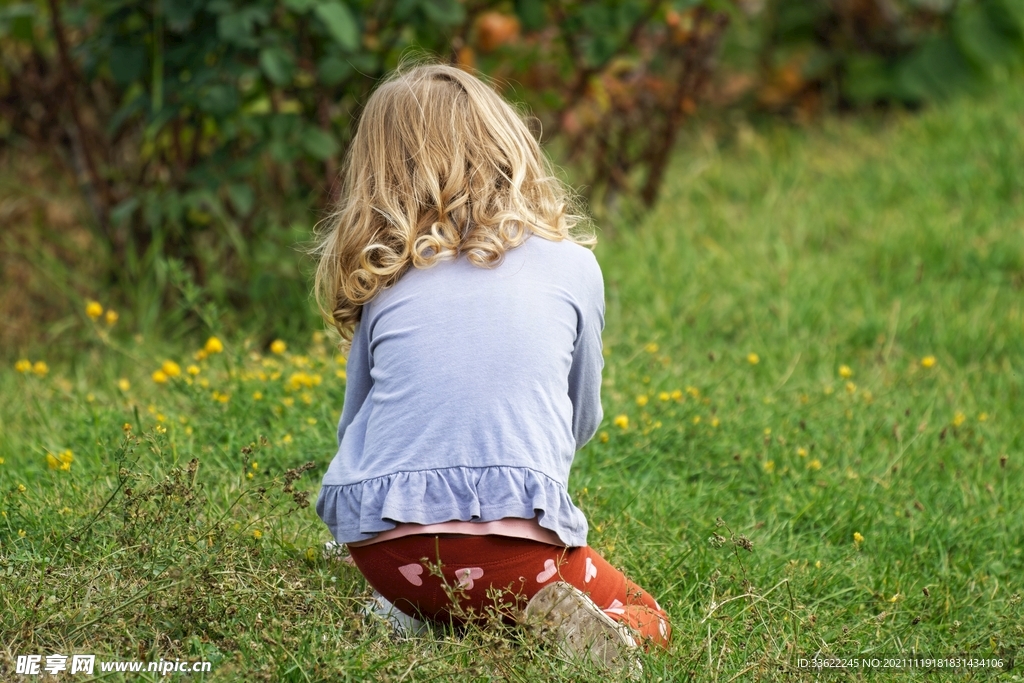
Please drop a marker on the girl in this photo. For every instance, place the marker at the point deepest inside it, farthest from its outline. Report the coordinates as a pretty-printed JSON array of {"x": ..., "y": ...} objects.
[{"x": 474, "y": 372}]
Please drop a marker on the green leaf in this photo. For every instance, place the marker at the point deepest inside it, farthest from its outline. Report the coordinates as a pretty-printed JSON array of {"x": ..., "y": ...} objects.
[
  {"x": 867, "y": 79},
  {"x": 127, "y": 63},
  {"x": 278, "y": 64},
  {"x": 531, "y": 14},
  {"x": 332, "y": 70},
  {"x": 447, "y": 12},
  {"x": 242, "y": 197},
  {"x": 985, "y": 37},
  {"x": 340, "y": 23},
  {"x": 123, "y": 211},
  {"x": 319, "y": 143},
  {"x": 300, "y": 6}
]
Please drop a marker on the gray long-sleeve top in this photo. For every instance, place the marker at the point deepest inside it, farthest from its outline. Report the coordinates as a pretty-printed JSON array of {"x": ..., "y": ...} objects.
[{"x": 469, "y": 391}]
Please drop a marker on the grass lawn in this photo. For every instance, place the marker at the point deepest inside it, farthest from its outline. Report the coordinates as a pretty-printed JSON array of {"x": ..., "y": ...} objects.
[{"x": 812, "y": 443}]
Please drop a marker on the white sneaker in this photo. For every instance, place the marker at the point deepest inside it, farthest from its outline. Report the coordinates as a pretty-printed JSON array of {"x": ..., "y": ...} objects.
[
  {"x": 403, "y": 625},
  {"x": 582, "y": 629}
]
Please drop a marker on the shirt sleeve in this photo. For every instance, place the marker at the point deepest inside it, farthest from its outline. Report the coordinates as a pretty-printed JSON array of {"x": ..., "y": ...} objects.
[
  {"x": 587, "y": 360},
  {"x": 357, "y": 376}
]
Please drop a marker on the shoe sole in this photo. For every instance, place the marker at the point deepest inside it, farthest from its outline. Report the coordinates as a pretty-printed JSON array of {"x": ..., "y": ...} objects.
[{"x": 582, "y": 630}]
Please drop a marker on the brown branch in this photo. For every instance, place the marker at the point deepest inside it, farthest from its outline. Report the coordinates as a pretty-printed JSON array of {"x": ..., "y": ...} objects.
[
  {"x": 68, "y": 78},
  {"x": 696, "y": 69}
]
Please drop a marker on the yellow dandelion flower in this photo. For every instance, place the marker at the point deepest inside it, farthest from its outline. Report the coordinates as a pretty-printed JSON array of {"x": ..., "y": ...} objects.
[
  {"x": 845, "y": 372},
  {"x": 1, "y": 461},
  {"x": 693, "y": 391},
  {"x": 851, "y": 387},
  {"x": 959, "y": 419},
  {"x": 67, "y": 456},
  {"x": 213, "y": 345},
  {"x": 93, "y": 309},
  {"x": 126, "y": 427},
  {"x": 170, "y": 368},
  {"x": 277, "y": 346},
  {"x": 200, "y": 355},
  {"x": 21, "y": 533},
  {"x": 288, "y": 401},
  {"x": 257, "y": 395},
  {"x": 318, "y": 337},
  {"x": 651, "y": 347},
  {"x": 193, "y": 370},
  {"x": 802, "y": 452},
  {"x": 341, "y": 374},
  {"x": 641, "y": 400},
  {"x": 769, "y": 466},
  {"x": 767, "y": 431},
  {"x": 829, "y": 389},
  {"x": 857, "y": 537},
  {"x": 753, "y": 358},
  {"x": 286, "y": 439},
  {"x": 621, "y": 421},
  {"x": 715, "y": 422},
  {"x": 696, "y": 419},
  {"x": 90, "y": 397},
  {"x": 224, "y": 398},
  {"x": 817, "y": 565},
  {"x": 677, "y": 395},
  {"x": 160, "y": 429},
  {"x": 257, "y": 534},
  {"x": 928, "y": 362},
  {"x": 40, "y": 368},
  {"x": 21, "y": 488},
  {"x": 159, "y": 376},
  {"x": 311, "y": 420},
  {"x": 664, "y": 396},
  {"x": 310, "y": 555},
  {"x": 123, "y": 384},
  {"x": 111, "y": 317},
  {"x": 23, "y": 365},
  {"x": 203, "y": 382},
  {"x": 603, "y": 437},
  {"x": 982, "y": 417},
  {"x": 51, "y": 461},
  {"x": 814, "y": 465}
]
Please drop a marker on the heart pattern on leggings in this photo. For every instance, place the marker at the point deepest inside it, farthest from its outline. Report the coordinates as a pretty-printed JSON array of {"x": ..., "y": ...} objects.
[
  {"x": 412, "y": 572},
  {"x": 615, "y": 608},
  {"x": 467, "y": 575},
  {"x": 549, "y": 571},
  {"x": 589, "y": 571}
]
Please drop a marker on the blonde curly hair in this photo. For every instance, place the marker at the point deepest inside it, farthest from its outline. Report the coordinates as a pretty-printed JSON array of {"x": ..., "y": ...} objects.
[{"x": 440, "y": 166}]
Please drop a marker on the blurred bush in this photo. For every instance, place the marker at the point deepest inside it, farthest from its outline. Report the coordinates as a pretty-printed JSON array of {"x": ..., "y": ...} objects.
[
  {"x": 852, "y": 53},
  {"x": 208, "y": 133}
]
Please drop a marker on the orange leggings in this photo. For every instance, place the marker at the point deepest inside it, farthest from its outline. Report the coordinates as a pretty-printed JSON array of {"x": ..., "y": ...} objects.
[{"x": 421, "y": 575}]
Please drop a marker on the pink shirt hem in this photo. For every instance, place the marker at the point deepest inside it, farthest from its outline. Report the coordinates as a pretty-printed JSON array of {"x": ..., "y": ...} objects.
[{"x": 528, "y": 529}]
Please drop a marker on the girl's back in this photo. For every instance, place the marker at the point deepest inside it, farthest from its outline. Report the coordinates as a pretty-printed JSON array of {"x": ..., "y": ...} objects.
[{"x": 470, "y": 390}]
